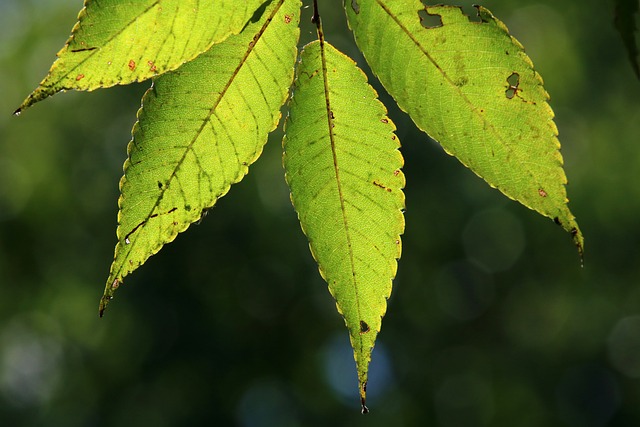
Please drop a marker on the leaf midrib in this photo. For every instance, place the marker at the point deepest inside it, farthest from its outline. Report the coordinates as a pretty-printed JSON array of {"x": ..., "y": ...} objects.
[
  {"x": 345, "y": 221},
  {"x": 205, "y": 123},
  {"x": 462, "y": 95}
]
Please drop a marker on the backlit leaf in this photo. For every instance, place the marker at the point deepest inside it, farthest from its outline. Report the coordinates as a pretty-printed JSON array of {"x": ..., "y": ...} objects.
[
  {"x": 198, "y": 131},
  {"x": 343, "y": 167},
  {"x": 123, "y": 41},
  {"x": 472, "y": 88}
]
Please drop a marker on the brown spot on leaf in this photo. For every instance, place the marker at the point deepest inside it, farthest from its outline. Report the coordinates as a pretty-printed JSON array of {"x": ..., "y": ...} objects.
[
  {"x": 79, "y": 77},
  {"x": 542, "y": 193},
  {"x": 152, "y": 66},
  {"x": 132, "y": 64},
  {"x": 287, "y": 19},
  {"x": 384, "y": 120}
]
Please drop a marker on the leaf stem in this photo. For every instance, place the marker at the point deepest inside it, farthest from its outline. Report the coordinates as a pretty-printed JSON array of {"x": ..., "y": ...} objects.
[{"x": 316, "y": 20}]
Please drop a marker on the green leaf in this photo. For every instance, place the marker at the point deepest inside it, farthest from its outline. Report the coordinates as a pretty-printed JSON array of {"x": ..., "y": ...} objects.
[
  {"x": 625, "y": 23},
  {"x": 343, "y": 167},
  {"x": 471, "y": 87},
  {"x": 198, "y": 131},
  {"x": 123, "y": 41}
]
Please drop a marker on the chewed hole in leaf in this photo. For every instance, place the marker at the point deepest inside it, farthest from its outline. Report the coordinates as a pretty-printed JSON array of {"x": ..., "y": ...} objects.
[
  {"x": 428, "y": 20},
  {"x": 513, "y": 85}
]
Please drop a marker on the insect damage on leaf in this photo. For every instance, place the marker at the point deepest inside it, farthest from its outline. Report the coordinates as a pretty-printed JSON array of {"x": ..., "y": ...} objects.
[{"x": 485, "y": 105}]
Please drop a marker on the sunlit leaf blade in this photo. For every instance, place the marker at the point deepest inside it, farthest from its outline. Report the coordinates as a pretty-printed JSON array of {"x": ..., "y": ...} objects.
[
  {"x": 123, "y": 41},
  {"x": 472, "y": 88},
  {"x": 343, "y": 168},
  {"x": 198, "y": 131},
  {"x": 626, "y": 12}
]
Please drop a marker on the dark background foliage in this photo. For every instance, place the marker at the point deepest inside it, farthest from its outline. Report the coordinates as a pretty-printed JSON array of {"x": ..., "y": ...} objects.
[{"x": 492, "y": 321}]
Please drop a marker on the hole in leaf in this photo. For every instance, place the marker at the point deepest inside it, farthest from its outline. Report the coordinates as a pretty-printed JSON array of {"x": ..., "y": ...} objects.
[
  {"x": 364, "y": 328},
  {"x": 513, "y": 82},
  {"x": 428, "y": 20}
]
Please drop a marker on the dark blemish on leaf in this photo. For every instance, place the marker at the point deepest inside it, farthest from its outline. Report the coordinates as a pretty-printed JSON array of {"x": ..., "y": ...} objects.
[
  {"x": 428, "y": 20},
  {"x": 132, "y": 65},
  {"x": 84, "y": 49},
  {"x": 506, "y": 52},
  {"x": 393, "y": 137},
  {"x": 557, "y": 221},
  {"x": 396, "y": 172},
  {"x": 116, "y": 284},
  {"x": 79, "y": 77},
  {"x": 159, "y": 185},
  {"x": 364, "y": 328},
  {"x": 513, "y": 83},
  {"x": 172, "y": 210},
  {"x": 187, "y": 208},
  {"x": 287, "y": 19},
  {"x": 331, "y": 115},
  {"x": 377, "y": 184},
  {"x": 355, "y": 6},
  {"x": 574, "y": 232},
  {"x": 152, "y": 66},
  {"x": 542, "y": 193},
  {"x": 461, "y": 81},
  {"x": 384, "y": 120}
]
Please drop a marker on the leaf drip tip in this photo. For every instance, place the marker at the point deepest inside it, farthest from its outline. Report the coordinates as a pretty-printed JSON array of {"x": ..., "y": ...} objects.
[
  {"x": 108, "y": 295},
  {"x": 17, "y": 112},
  {"x": 364, "y": 410},
  {"x": 104, "y": 301}
]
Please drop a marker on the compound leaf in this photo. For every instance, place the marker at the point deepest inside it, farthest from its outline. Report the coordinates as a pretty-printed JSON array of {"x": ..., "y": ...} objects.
[
  {"x": 123, "y": 41},
  {"x": 343, "y": 168},
  {"x": 471, "y": 87},
  {"x": 198, "y": 131}
]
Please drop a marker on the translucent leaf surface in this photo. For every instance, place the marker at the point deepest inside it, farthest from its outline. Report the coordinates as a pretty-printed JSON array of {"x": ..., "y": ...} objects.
[
  {"x": 471, "y": 87},
  {"x": 123, "y": 41},
  {"x": 198, "y": 131},
  {"x": 343, "y": 167}
]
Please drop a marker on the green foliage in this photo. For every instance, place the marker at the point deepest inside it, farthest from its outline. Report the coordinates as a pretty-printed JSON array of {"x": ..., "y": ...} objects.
[
  {"x": 467, "y": 84},
  {"x": 484, "y": 103},
  {"x": 343, "y": 168},
  {"x": 230, "y": 95}
]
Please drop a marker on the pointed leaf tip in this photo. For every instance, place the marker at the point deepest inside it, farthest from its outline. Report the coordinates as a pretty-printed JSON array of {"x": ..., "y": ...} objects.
[
  {"x": 125, "y": 41},
  {"x": 471, "y": 87},
  {"x": 343, "y": 167},
  {"x": 175, "y": 173}
]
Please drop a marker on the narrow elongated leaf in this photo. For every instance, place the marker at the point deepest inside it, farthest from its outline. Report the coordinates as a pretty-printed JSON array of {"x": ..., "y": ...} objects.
[
  {"x": 198, "y": 131},
  {"x": 343, "y": 167},
  {"x": 471, "y": 87},
  {"x": 123, "y": 41}
]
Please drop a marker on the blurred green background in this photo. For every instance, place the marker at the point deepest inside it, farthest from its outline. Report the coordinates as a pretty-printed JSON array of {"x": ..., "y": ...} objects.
[{"x": 492, "y": 321}]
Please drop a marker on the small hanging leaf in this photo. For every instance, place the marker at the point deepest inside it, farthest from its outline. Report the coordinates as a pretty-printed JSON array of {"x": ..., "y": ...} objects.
[
  {"x": 124, "y": 41},
  {"x": 198, "y": 131},
  {"x": 471, "y": 87},
  {"x": 343, "y": 167}
]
